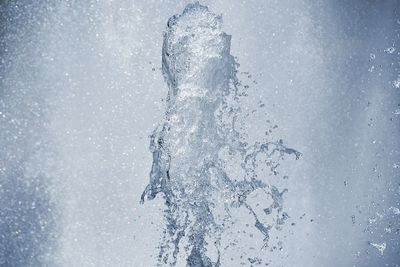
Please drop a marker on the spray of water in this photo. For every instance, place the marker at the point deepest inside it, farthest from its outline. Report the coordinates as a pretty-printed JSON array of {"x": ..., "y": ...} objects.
[{"x": 198, "y": 142}]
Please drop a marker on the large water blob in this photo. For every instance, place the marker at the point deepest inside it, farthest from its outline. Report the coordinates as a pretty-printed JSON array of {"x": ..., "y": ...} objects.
[{"x": 199, "y": 141}]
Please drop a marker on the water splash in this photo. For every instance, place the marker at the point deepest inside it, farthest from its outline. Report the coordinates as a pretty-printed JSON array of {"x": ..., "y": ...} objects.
[
  {"x": 380, "y": 247},
  {"x": 198, "y": 143}
]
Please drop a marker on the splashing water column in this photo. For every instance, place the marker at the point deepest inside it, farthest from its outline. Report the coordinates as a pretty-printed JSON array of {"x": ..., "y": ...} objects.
[
  {"x": 187, "y": 170},
  {"x": 197, "y": 67}
]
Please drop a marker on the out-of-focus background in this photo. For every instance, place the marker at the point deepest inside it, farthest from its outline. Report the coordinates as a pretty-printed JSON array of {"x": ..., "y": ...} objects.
[{"x": 81, "y": 89}]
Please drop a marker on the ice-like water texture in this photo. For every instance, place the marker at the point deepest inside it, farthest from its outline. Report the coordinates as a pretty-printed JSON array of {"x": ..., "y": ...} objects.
[{"x": 196, "y": 146}]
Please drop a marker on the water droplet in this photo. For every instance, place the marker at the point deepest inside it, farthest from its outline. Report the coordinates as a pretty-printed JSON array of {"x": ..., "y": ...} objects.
[
  {"x": 390, "y": 50},
  {"x": 380, "y": 247},
  {"x": 372, "y": 56}
]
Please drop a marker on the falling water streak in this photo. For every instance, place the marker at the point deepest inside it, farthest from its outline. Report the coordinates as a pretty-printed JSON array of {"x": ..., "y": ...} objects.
[{"x": 200, "y": 126}]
